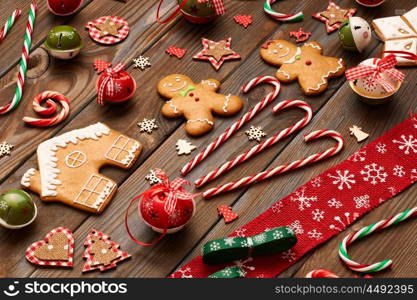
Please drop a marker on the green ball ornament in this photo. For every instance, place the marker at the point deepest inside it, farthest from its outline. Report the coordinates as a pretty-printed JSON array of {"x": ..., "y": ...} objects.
[
  {"x": 64, "y": 42},
  {"x": 199, "y": 13},
  {"x": 355, "y": 34},
  {"x": 17, "y": 209}
]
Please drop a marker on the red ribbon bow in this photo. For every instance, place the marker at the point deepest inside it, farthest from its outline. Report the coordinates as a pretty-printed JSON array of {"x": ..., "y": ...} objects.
[
  {"x": 108, "y": 83},
  {"x": 385, "y": 66},
  {"x": 173, "y": 190},
  {"x": 218, "y": 6}
]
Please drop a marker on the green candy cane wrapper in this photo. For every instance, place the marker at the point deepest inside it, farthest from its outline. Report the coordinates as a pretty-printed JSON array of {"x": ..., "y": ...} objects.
[{"x": 230, "y": 249}]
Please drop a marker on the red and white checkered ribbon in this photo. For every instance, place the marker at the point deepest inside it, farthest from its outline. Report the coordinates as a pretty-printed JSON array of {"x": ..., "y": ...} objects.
[
  {"x": 108, "y": 83},
  {"x": 173, "y": 191},
  {"x": 385, "y": 66},
  {"x": 218, "y": 6}
]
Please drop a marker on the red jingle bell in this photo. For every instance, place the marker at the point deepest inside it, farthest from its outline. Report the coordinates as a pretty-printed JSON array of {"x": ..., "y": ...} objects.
[
  {"x": 152, "y": 211},
  {"x": 165, "y": 207},
  {"x": 114, "y": 84},
  {"x": 64, "y": 7}
]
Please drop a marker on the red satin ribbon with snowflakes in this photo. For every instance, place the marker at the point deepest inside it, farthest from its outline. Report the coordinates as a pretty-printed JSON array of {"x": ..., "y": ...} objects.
[{"x": 329, "y": 203}]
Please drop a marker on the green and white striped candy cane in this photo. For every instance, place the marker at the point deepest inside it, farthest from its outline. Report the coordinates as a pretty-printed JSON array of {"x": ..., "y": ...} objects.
[
  {"x": 280, "y": 16},
  {"x": 9, "y": 23},
  {"x": 365, "y": 231},
  {"x": 21, "y": 75}
]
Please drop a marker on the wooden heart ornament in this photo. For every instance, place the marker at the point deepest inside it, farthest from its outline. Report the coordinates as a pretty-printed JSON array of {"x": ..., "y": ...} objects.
[{"x": 55, "y": 250}]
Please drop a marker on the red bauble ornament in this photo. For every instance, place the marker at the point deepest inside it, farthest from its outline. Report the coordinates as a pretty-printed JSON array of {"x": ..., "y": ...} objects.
[
  {"x": 152, "y": 210},
  {"x": 64, "y": 7}
]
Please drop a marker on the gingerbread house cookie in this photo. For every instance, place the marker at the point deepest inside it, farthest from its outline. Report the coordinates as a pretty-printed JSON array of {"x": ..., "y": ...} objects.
[
  {"x": 399, "y": 34},
  {"x": 69, "y": 167}
]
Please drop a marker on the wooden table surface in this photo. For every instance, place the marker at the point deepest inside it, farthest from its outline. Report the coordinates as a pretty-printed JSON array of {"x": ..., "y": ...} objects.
[{"x": 337, "y": 108}]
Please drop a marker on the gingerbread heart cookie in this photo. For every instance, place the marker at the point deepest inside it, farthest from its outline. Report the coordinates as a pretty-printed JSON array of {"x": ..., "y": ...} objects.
[
  {"x": 196, "y": 102},
  {"x": 55, "y": 250},
  {"x": 306, "y": 63}
]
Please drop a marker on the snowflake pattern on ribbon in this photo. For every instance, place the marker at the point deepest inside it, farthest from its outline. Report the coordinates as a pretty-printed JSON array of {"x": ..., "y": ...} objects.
[{"x": 322, "y": 208}]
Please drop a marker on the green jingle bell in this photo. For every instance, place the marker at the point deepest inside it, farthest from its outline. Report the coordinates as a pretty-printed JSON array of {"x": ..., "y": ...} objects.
[
  {"x": 17, "y": 209},
  {"x": 355, "y": 34},
  {"x": 197, "y": 12},
  {"x": 64, "y": 42}
]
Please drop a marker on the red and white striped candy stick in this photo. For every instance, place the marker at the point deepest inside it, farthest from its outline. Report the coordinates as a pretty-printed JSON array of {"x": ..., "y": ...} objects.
[
  {"x": 23, "y": 64},
  {"x": 283, "y": 168},
  {"x": 239, "y": 123},
  {"x": 49, "y": 110},
  {"x": 9, "y": 23},
  {"x": 264, "y": 145},
  {"x": 321, "y": 273}
]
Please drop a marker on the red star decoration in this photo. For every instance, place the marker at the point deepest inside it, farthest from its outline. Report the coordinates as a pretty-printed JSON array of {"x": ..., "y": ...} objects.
[
  {"x": 217, "y": 52},
  {"x": 334, "y": 16}
]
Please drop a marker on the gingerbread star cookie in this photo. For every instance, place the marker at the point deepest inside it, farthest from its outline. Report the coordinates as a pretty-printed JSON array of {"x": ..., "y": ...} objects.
[
  {"x": 55, "y": 250},
  {"x": 334, "y": 16},
  {"x": 109, "y": 28},
  {"x": 217, "y": 52}
]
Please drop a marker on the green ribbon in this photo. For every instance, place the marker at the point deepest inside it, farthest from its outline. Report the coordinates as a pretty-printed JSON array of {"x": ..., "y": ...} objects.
[
  {"x": 188, "y": 89},
  {"x": 230, "y": 249},
  {"x": 230, "y": 272}
]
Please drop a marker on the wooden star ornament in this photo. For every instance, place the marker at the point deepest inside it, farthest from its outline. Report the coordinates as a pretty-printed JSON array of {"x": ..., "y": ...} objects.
[
  {"x": 334, "y": 16},
  {"x": 109, "y": 28},
  {"x": 217, "y": 52}
]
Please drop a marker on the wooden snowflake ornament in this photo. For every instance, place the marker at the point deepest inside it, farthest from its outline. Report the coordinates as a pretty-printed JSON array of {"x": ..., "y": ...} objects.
[
  {"x": 147, "y": 125},
  {"x": 5, "y": 149},
  {"x": 184, "y": 147},
  {"x": 141, "y": 62},
  {"x": 152, "y": 178},
  {"x": 255, "y": 133}
]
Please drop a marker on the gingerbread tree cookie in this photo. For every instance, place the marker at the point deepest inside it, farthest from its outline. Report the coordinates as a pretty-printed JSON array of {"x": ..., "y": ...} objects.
[
  {"x": 196, "y": 102},
  {"x": 69, "y": 166},
  {"x": 102, "y": 253},
  {"x": 305, "y": 63}
]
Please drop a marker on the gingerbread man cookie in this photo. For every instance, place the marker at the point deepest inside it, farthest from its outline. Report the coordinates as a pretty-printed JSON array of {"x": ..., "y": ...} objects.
[
  {"x": 69, "y": 167},
  {"x": 305, "y": 63},
  {"x": 196, "y": 102}
]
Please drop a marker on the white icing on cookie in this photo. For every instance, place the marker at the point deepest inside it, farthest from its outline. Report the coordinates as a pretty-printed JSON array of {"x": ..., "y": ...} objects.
[
  {"x": 47, "y": 159},
  {"x": 311, "y": 45},
  {"x": 286, "y": 74},
  {"x": 174, "y": 108},
  {"x": 25, "y": 181},
  {"x": 280, "y": 46},
  {"x": 393, "y": 28},
  {"x": 209, "y": 83},
  {"x": 101, "y": 195},
  {"x": 323, "y": 79},
  {"x": 201, "y": 120},
  {"x": 411, "y": 17},
  {"x": 226, "y": 103},
  {"x": 408, "y": 45},
  {"x": 131, "y": 154},
  {"x": 170, "y": 87},
  {"x": 294, "y": 58},
  {"x": 75, "y": 159}
]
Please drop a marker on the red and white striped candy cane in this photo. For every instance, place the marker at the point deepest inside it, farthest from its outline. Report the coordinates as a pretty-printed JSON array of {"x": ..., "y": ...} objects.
[
  {"x": 9, "y": 23},
  {"x": 283, "y": 168},
  {"x": 264, "y": 145},
  {"x": 239, "y": 123},
  {"x": 50, "y": 109},
  {"x": 321, "y": 273}
]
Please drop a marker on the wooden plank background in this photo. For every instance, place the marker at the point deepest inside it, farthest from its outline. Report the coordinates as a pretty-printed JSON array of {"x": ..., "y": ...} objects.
[{"x": 337, "y": 108}]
